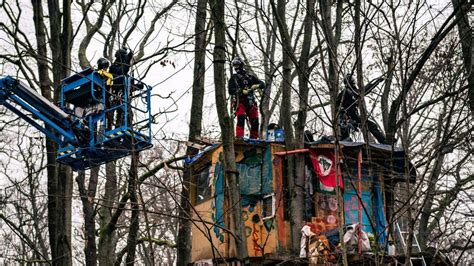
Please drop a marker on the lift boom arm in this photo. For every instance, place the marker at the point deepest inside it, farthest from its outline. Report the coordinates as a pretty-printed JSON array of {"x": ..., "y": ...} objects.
[{"x": 29, "y": 105}]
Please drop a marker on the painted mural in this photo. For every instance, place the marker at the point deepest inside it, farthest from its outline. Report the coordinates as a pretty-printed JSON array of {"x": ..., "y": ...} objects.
[
  {"x": 325, "y": 201},
  {"x": 264, "y": 203},
  {"x": 218, "y": 202},
  {"x": 256, "y": 187},
  {"x": 255, "y": 230},
  {"x": 351, "y": 202}
]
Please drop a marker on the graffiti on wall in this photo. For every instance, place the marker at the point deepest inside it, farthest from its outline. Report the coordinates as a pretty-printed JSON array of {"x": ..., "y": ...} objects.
[
  {"x": 218, "y": 203},
  {"x": 351, "y": 202},
  {"x": 251, "y": 215},
  {"x": 256, "y": 181},
  {"x": 351, "y": 209}
]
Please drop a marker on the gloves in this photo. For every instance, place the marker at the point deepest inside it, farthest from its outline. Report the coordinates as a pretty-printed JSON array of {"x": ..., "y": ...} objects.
[
  {"x": 257, "y": 88},
  {"x": 247, "y": 90}
]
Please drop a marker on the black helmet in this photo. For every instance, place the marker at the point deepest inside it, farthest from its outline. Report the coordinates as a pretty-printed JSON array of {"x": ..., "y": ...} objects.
[
  {"x": 122, "y": 52},
  {"x": 123, "y": 56},
  {"x": 103, "y": 63},
  {"x": 237, "y": 63},
  {"x": 350, "y": 82}
]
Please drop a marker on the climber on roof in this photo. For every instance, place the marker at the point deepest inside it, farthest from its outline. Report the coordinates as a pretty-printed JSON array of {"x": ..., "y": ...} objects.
[
  {"x": 242, "y": 88},
  {"x": 347, "y": 106}
]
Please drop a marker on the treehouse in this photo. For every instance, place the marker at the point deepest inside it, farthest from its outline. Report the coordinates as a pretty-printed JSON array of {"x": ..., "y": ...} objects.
[{"x": 367, "y": 174}]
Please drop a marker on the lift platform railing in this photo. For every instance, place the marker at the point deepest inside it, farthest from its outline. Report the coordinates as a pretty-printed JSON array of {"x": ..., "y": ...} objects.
[
  {"x": 84, "y": 125},
  {"x": 120, "y": 120},
  {"x": 128, "y": 108}
]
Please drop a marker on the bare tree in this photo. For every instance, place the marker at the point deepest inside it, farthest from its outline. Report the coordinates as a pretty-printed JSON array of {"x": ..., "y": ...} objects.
[
  {"x": 195, "y": 128},
  {"x": 227, "y": 126}
]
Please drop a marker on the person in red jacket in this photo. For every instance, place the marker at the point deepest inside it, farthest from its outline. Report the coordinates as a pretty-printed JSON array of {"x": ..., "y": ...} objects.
[{"x": 242, "y": 87}]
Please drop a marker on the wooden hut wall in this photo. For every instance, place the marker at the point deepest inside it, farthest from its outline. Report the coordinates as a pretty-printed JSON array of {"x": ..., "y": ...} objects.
[
  {"x": 202, "y": 238},
  {"x": 373, "y": 204},
  {"x": 324, "y": 215},
  {"x": 261, "y": 188},
  {"x": 263, "y": 201}
]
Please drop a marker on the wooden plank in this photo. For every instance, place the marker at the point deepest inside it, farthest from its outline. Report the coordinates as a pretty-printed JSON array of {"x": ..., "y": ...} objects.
[
  {"x": 195, "y": 145},
  {"x": 201, "y": 242},
  {"x": 207, "y": 140},
  {"x": 325, "y": 146},
  {"x": 283, "y": 153}
]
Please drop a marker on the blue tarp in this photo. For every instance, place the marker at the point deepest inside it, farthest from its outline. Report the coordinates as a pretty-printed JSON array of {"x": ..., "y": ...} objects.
[{"x": 189, "y": 160}]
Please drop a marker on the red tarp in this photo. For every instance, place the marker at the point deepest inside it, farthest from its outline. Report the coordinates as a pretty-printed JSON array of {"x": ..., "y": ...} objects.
[{"x": 323, "y": 163}]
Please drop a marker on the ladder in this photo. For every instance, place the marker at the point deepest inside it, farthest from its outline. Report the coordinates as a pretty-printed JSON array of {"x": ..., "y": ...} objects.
[{"x": 403, "y": 235}]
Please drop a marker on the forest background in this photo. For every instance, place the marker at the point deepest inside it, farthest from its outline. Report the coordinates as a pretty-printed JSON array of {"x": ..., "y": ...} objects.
[{"x": 301, "y": 49}]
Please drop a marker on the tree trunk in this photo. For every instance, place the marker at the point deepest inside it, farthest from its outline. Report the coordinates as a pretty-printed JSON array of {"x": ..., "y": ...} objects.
[
  {"x": 303, "y": 80},
  {"x": 386, "y": 90},
  {"x": 59, "y": 176},
  {"x": 134, "y": 220},
  {"x": 87, "y": 198},
  {"x": 107, "y": 241},
  {"x": 268, "y": 54},
  {"x": 426, "y": 212},
  {"x": 195, "y": 127},
  {"x": 332, "y": 39},
  {"x": 332, "y": 35},
  {"x": 45, "y": 87},
  {"x": 227, "y": 129},
  {"x": 359, "y": 71},
  {"x": 465, "y": 36},
  {"x": 285, "y": 118}
]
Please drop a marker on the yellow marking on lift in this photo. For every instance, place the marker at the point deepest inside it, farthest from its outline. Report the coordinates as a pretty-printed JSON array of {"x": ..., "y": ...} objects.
[
  {"x": 116, "y": 134},
  {"x": 66, "y": 152}
]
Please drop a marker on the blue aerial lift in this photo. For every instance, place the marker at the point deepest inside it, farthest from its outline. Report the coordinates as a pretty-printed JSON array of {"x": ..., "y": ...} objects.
[{"x": 94, "y": 122}]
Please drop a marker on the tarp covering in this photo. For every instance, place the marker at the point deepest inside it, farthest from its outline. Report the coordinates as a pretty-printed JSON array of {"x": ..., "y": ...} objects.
[
  {"x": 190, "y": 160},
  {"x": 250, "y": 173},
  {"x": 351, "y": 207},
  {"x": 351, "y": 199}
]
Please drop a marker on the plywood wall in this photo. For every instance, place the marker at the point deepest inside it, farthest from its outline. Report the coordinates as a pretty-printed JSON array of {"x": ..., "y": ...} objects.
[{"x": 263, "y": 235}]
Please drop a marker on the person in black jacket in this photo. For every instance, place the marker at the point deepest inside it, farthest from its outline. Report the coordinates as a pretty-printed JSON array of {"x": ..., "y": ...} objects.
[
  {"x": 122, "y": 63},
  {"x": 242, "y": 87},
  {"x": 347, "y": 107},
  {"x": 120, "y": 69}
]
